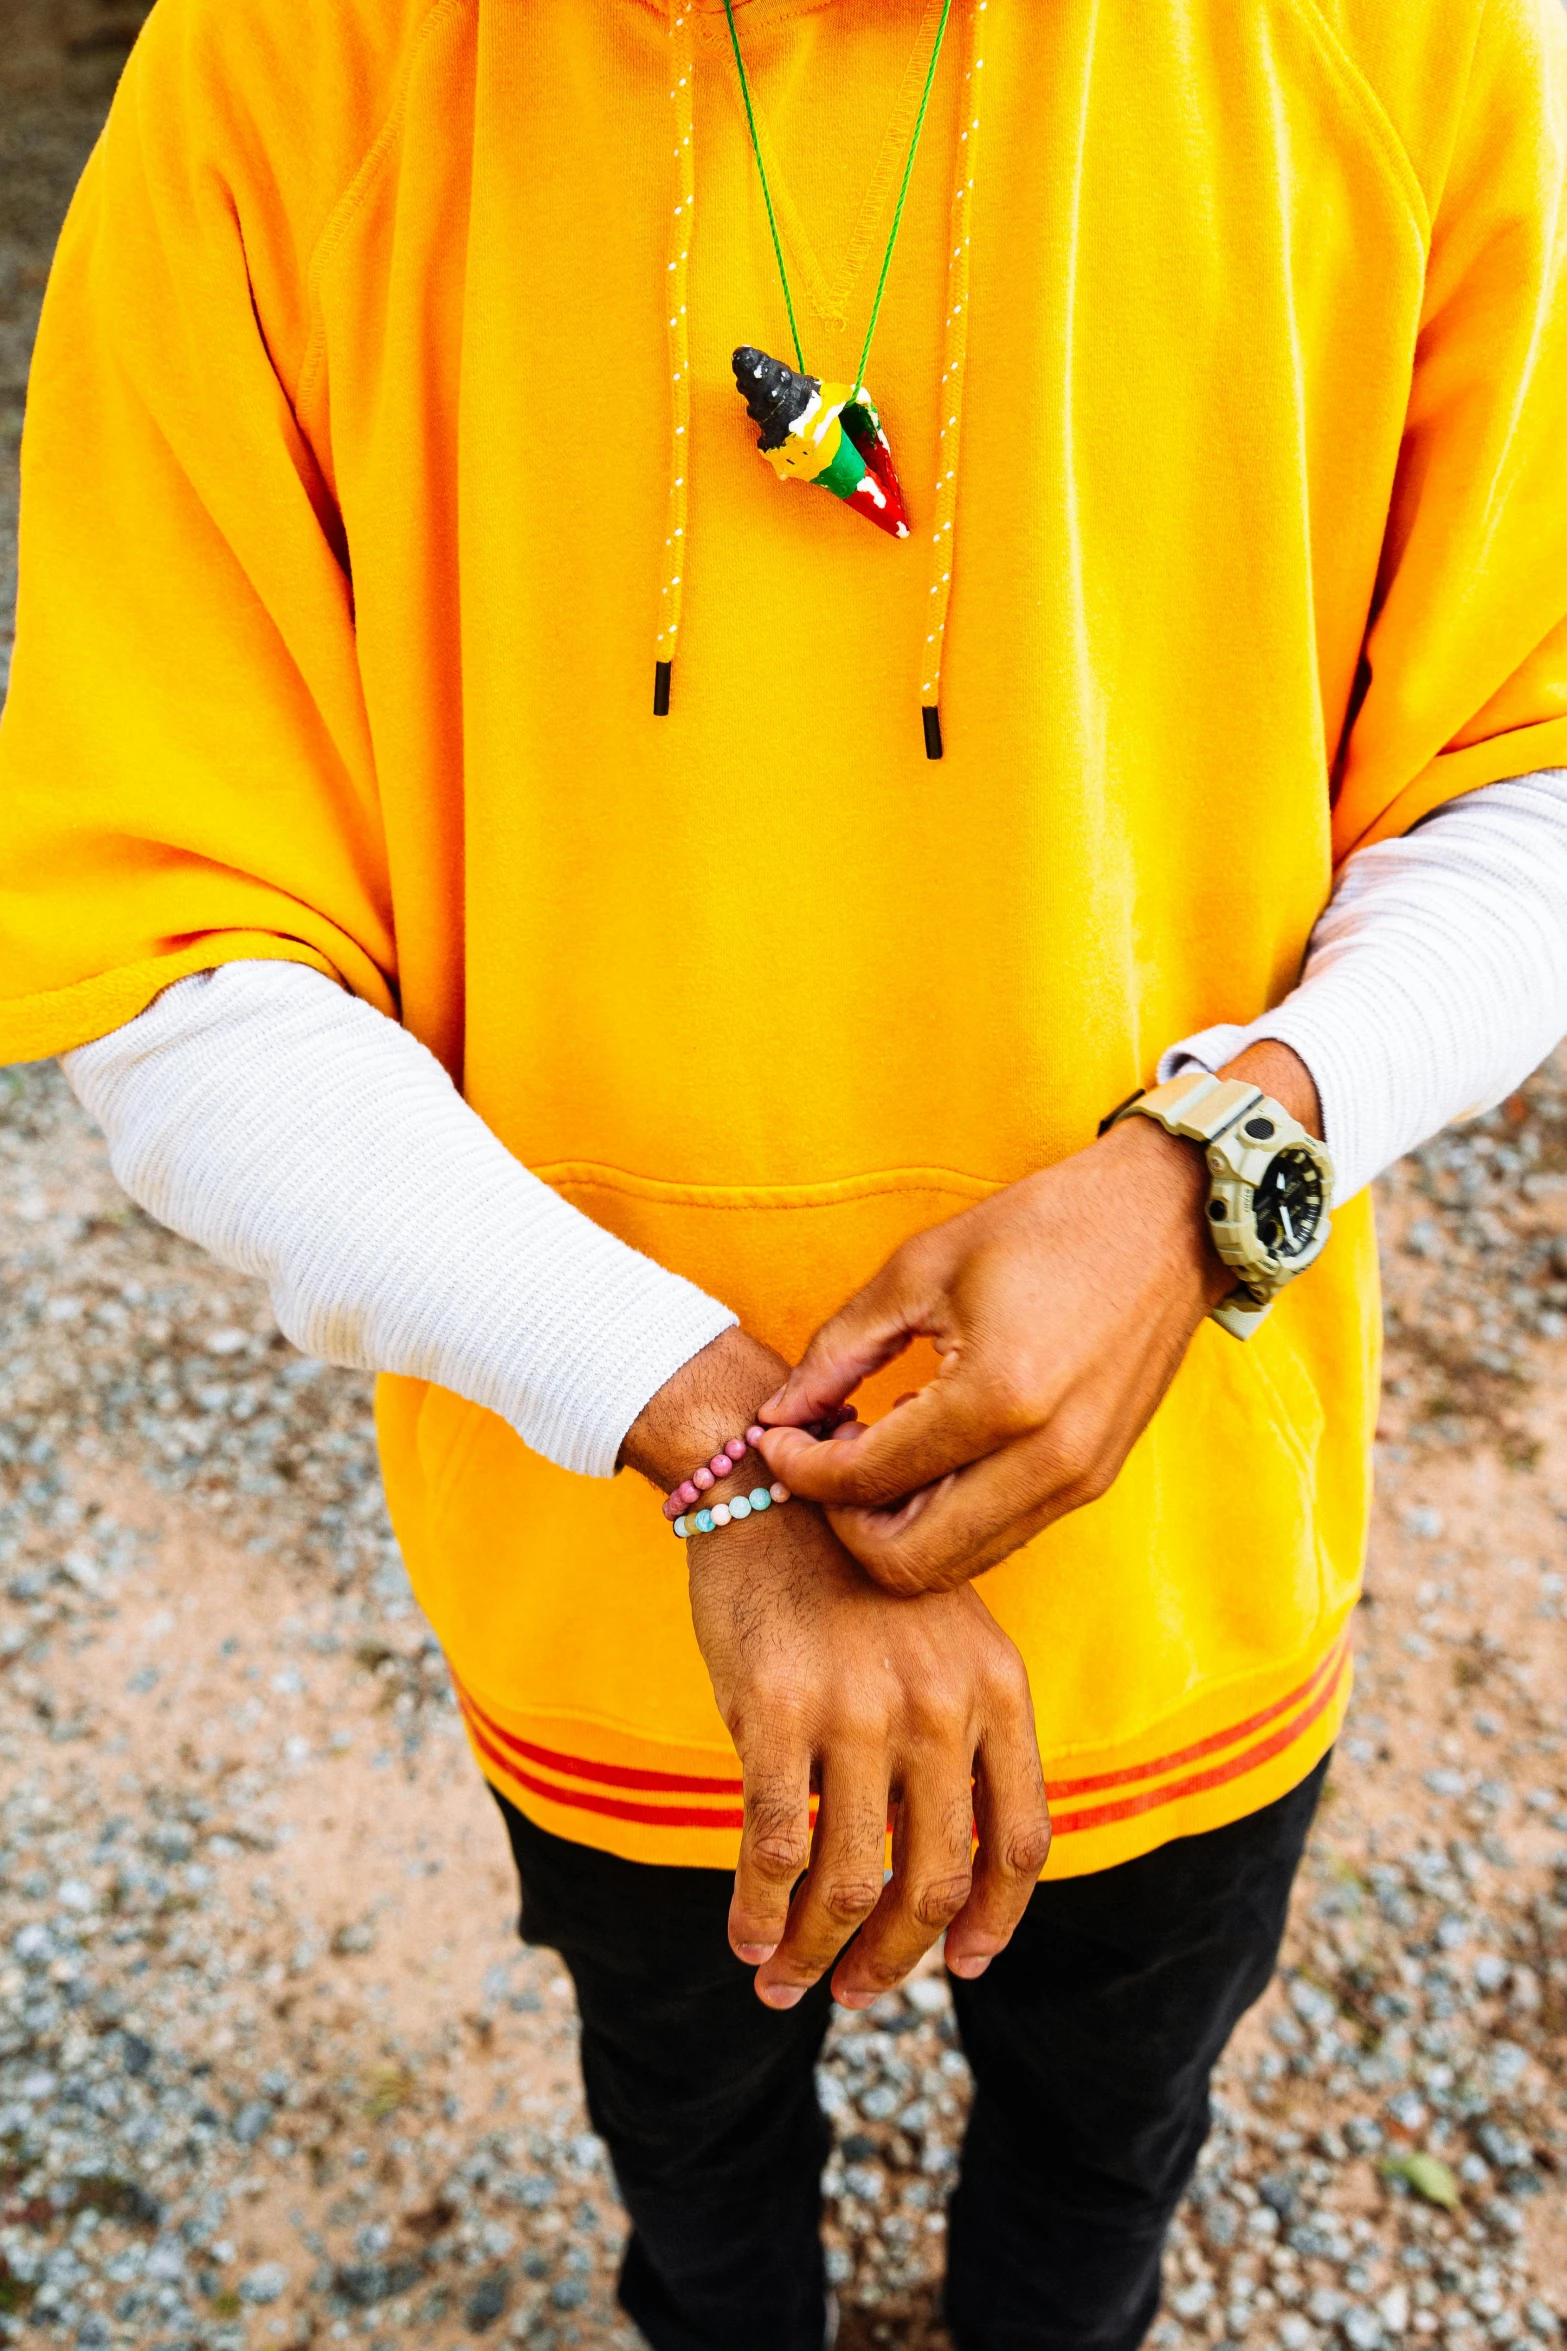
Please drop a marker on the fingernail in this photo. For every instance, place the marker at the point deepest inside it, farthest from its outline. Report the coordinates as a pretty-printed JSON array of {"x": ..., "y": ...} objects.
[
  {"x": 854, "y": 1999},
  {"x": 755, "y": 1954},
  {"x": 782, "y": 1995},
  {"x": 972, "y": 1964},
  {"x": 773, "y": 1401}
]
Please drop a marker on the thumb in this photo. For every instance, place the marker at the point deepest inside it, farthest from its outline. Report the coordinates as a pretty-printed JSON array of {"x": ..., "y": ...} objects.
[{"x": 875, "y": 1325}]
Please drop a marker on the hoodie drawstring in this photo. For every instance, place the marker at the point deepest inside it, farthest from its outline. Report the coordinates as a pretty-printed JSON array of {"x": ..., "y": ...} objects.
[
  {"x": 682, "y": 106},
  {"x": 682, "y": 64},
  {"x": 953, "y": 358}
]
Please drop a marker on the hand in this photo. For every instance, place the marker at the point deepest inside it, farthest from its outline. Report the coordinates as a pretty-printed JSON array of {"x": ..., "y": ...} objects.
[
  {"x": 1061, "y": 1309},
  {"x": 918, "y": 1705},
  {"x": 921, "y": 1706}
]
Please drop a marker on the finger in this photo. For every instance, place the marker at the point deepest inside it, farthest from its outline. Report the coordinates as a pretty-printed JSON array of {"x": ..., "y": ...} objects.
[
  {"x": 844, "y": 1882},
  {"x": 953, "y": 1529},
  {"x": 949, "y": 1531},
  {"x": 949, "y": 1423},
  {"x": 876, "y": 1324},
  {"x": 932, "y": 1869},
  {"x": 1012, "y": 1818},
  {"x": 775, "y": 1847}
]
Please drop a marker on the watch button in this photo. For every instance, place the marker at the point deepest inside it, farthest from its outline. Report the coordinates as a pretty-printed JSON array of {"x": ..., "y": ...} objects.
[{"x": 1259, "y": 1129}]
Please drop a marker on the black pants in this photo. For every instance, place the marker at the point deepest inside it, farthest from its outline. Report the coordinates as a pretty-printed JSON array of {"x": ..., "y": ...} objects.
[{"x": 1091, "y": 2039}]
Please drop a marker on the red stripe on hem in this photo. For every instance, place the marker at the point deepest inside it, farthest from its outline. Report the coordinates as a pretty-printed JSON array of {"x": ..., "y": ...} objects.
[
  {"x": 1328, "y": 1674},
  {"x": 613, "y": 1775},
  {"x": 1100, "y": 1816},
  {"x": 1209, "y": 1746},
  {"x": 659, "y": 1816},
  {"x": 1072, "y": 1824}
]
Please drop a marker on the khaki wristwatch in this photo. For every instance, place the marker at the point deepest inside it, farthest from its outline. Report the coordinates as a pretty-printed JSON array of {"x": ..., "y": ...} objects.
[{"x": 1270, "y": 1184}]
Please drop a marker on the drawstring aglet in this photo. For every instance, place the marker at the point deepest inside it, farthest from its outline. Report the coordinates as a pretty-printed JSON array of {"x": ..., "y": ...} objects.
[
  {"x": 661, "y": 672},
  {"x": 932, "y": 717}
]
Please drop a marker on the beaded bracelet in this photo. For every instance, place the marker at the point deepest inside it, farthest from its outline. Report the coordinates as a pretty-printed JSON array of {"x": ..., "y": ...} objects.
[
  {"x": 723, "y": 1465},
  {"x": 703, "y": 1522},
  {"x": 728, "y": 1459}
]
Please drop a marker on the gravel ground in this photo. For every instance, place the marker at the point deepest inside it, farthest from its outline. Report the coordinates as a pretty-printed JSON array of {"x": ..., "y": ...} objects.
[
  {"x": 59, "y": 61},
  {"x": 272, "y": 2066},
  {"x": 271, "y": 2063}
]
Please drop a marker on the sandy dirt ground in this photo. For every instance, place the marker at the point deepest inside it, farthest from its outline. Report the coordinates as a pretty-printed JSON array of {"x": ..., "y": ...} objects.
[{"x": 273, "y": 2066}]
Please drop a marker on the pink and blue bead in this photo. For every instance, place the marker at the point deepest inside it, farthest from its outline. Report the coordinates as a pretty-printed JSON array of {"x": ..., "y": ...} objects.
[
  {"x": 723, "y": 1514},
  {"x": 723, "y": 1465}
]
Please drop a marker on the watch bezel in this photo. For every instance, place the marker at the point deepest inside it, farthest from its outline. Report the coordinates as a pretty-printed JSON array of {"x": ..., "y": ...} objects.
[{"x": 1236, "y": 1167}]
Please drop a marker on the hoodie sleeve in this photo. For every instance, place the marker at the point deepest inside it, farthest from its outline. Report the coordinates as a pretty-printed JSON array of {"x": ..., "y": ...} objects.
[
  {"x": 1464, "y": 676},
  {"x": 186, "y": 773}
]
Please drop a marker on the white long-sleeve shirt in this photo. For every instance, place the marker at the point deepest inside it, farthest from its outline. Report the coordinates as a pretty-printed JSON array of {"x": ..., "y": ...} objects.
[
  {"x": 1436, "y": 977},
  {"x": 306, "y": 1139}
]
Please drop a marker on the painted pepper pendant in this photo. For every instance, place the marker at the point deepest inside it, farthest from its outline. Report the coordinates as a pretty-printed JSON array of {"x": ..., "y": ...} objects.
[{"x": 822, "y": 433}]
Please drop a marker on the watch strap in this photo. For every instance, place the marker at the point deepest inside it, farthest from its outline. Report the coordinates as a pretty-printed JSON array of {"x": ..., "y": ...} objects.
[
  {"x": 1240, "y": 1313},
  {"x": 1196, "y": 1105}
]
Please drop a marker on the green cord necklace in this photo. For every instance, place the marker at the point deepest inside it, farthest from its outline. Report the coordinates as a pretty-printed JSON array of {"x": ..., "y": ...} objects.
[{"x": 829, "y": 434}]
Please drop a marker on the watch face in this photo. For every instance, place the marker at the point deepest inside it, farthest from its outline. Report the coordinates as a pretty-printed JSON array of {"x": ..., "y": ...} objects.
[{"x": 1287, "y": 1206}]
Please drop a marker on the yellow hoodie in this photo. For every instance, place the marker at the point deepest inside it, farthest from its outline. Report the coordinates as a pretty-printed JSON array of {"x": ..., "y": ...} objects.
[{"x": 348, "y": 474}]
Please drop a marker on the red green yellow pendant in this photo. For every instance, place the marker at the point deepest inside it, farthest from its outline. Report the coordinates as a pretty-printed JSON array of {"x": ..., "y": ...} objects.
[{"x": 828, "y": 434}]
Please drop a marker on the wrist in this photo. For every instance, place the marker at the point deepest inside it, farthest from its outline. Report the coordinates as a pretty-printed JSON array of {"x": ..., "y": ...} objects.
[
  {"x": 1170, "y": 1176},
  {"x": 1279, "y": 1070},
  {"x": 1270, "y": 1068},
  {"x": 788, "y": 1552},
  {"x": 710, "y": 1399}
]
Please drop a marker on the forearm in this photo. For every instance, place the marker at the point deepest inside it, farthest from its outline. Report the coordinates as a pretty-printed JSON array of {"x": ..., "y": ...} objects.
[
  {"x": 1063, "y": 1306},
  {"x": 1436, "y": 978},
  {"x": 308, "y": 1141}
]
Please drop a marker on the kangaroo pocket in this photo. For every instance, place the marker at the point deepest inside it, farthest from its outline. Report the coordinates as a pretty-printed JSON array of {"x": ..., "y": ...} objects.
[
  {"x": 1228, "y": 1546},
  {"x": 782, "y": 1255}
]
